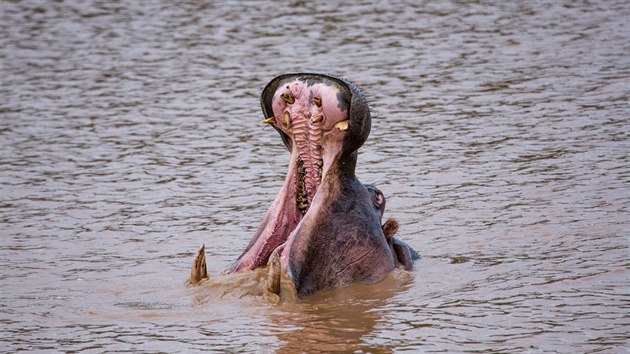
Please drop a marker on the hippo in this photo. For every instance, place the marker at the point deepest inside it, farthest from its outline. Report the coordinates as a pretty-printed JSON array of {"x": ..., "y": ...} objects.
[{"x": 323, "y": 230}]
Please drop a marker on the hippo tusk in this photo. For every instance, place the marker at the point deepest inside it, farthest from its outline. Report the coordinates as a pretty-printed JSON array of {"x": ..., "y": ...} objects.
[
  {"x": 273, "y": 279},
  {"x": 316, "y": 119},
  {"x": 199, "y": 270}
]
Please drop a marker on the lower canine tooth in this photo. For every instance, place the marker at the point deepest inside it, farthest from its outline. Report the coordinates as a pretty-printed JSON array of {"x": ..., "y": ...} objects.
[
  {"x": 287, "y": 120},
  {"x": 343, "y": 125},
  {"x": 316, "y": 119},
  {"x": 273, "y": 277}
]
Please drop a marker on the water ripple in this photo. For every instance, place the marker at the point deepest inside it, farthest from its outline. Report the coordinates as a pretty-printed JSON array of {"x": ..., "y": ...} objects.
[{"x": 129, "y": 136}]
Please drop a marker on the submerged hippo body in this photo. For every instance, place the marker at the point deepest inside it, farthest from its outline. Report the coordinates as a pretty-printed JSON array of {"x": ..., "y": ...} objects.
[{"x": 323, "y": 229}]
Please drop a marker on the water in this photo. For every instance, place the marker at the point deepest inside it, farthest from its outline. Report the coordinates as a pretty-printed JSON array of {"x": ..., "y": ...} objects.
[{"x": 130, "y": 135}]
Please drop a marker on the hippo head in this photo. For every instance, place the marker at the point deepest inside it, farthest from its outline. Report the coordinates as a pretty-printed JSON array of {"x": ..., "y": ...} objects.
[{"x": 323, "y": 121}]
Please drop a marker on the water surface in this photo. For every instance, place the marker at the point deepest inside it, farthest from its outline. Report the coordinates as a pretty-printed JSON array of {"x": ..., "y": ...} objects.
[{"x": 130, "y": 135}]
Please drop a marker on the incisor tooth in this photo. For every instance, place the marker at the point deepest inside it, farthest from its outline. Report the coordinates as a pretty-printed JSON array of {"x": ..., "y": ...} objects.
[
  {"x": 317, "y": 101},
  {"x": 288, "y": 98},
  {"x": 316, "y": 119},
  {"x": 343, "y": 125},
  {"x": 287, "y": 120}
]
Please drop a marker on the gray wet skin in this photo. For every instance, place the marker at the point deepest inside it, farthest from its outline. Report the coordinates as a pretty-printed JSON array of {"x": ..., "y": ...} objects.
[
  {"x": 403, "y": 254},
  {"x": 323, "y": 224}
]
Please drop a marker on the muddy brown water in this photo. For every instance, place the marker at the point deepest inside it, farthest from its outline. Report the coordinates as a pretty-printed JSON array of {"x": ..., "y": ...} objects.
[{"x": 130, "y": 135}]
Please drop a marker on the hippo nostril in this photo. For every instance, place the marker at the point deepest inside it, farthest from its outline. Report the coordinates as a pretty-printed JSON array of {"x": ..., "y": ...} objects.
[
  {"x": 288, "y": 98},
  {"x": 287, "y": 120},
  {"x": 317, "y": 101}
]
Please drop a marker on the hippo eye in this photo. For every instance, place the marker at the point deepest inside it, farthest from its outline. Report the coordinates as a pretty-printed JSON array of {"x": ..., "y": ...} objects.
[{"x": 378, "y": 200}]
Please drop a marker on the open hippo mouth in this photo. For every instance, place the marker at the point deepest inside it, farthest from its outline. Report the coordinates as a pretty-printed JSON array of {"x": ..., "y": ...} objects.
[
  {"x": 324, "y": 228},
  {"x": 321, "y": 120}
]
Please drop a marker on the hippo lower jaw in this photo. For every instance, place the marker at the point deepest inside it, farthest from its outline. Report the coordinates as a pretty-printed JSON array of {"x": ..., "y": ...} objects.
[{"x": 281, "y": 218}]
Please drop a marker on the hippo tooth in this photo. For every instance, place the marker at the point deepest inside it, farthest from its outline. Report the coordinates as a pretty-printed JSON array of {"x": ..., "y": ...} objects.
[
  {"x": 317, "y": 101},
  {"x": 316, "y": 119},
  {"x": 199, "y": 270},
  {"x": 288, "y": 98},
  {"x": 343, "y": 125},
  {"x": 269, "y": 120},
  {"x": 273, "y": 277},
  {"x": 287, "y": 120}
]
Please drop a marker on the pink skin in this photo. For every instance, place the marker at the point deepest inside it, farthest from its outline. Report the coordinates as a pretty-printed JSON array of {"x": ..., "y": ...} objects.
[
  {"x": 280, "y": 220},
  {"x": 310, "y": 139},
  {"x": 308, "y": 136}
]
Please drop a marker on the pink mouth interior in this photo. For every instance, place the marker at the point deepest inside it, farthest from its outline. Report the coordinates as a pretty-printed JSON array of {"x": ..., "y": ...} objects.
[{"x": 305, "y": 113}]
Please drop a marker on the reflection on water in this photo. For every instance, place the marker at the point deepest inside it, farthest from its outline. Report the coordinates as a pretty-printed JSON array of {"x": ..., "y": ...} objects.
[
  {"x": 341, "y": 320},
  {"x": 129, "y": 137}
]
